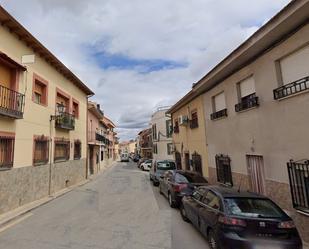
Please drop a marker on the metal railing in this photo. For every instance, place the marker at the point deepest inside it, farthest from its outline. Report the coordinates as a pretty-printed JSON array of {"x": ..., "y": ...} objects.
[
  {"x": 299, "y": 184},
  {"x": 94, "y": 136},
  {"x": 292, "y": 88},
  {"x": 247, "y": 103},
  {"x": 218, "y": 114},
  {"x": 11, "y": 103},
  {"x": 65, "y": 120}
]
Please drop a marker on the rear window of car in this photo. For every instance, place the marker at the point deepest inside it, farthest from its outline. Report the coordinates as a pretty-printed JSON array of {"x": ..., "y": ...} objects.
[
  {"x": 253, "y": 207},
  {"x": 166, "y": 165},
  {"x": 189, "y": 178}
]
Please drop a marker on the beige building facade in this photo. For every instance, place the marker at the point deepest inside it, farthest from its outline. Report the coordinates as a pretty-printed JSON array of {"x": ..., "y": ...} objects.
[
  {"x": 189, "y": 138},
  {"x": 43, "y": 121},
  {"x": 161, "y": 135},
  {"x": 256, "y": 113}
]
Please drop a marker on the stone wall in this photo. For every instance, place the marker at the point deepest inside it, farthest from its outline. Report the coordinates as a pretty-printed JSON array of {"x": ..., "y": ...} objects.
[
  {"x": 278, "y": 192},
  {"x": 20, "y": 186}
]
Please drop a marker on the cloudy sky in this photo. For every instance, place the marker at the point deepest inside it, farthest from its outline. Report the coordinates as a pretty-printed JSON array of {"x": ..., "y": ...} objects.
[{"x": 137, "y": 55}]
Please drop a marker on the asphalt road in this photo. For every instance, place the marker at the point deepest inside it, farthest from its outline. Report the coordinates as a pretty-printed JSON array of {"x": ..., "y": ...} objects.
[{"x": 120, "y": 209}]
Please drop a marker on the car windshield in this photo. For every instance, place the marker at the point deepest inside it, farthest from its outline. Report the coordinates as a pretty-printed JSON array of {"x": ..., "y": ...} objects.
[
  {"x": 189, "y": 178},
  {"x": 253, "y": 207},
  {"x": 166, "y": 165}
]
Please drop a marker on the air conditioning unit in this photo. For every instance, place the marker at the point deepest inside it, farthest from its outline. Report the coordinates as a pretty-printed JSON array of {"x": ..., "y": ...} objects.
[{"x": 183, "y": 120}]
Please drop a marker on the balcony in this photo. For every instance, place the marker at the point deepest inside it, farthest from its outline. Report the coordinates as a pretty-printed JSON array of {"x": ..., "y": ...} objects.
[
  {"x": 218, "y": 114},
  {"x": 292, "y": 88},
  {"x": 99, "y": 137},
  {"x": 247, "y": 102},
  {"x": 65, "y": 121},
  {"x": 11, "y": 103}
]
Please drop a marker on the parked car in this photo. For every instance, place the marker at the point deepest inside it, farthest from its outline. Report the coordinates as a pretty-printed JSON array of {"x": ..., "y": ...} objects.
[
  {"x": 124, "y": 157},
  {"x": 140, "y": 161},
  {"x": 136, "y": 158},
  {"x": 176, "y": 184},
  {"x": 230, "y": 219},
  {"x": 159, "y": 168},
  {"x": 146, "y": 165}
]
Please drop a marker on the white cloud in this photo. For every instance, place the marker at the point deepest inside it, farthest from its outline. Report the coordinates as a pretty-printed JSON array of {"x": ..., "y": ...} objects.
[{"x": 197, "y": 32}]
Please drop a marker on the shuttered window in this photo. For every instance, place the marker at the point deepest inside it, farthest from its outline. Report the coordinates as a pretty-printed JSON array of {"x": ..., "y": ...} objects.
[
  {"x": 41, "y": 152},
  {"x": 247, "y": 87},
  {"x": 219, "y": 102},
  {"x": 295, "y": 66},
  {"x": 62, "y": 150}
]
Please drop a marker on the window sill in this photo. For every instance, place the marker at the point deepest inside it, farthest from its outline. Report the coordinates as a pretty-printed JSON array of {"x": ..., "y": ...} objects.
[
  {"x": 248, "y": 109},
  {"x": 303, "y": 211},
  {"x": 40, "y": 163},
  {"x": 6, "y": 169},
  {"x": 230, "y": 185},
  {"x": 61, "y": 160},
  {"x": 215, "y": 119},
  {"x": 41, "y": 104}
]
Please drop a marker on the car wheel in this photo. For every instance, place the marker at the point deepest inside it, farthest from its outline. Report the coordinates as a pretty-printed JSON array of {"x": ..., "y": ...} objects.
[
  {"x": 142, "y": 168},
  {"x": 212, "y": 241},
  {"x": 183, "y": 213},
  {"x": 170, "y": 200}
]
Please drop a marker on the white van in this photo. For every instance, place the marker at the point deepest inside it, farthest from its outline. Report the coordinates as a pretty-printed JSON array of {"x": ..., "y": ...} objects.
[{"x": 124, "y": 157}]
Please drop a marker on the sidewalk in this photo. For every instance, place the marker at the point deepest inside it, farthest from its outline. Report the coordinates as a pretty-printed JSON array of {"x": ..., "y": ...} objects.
[
  {"x": 20, "y": 211},
  {"x": 14, "y": 214}
]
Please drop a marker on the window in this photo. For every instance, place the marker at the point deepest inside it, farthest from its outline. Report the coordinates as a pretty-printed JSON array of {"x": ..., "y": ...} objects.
[
  {"x": 253, "y": 207},
  {"x": 154, "y": 132},
  {"x": 295, "y": 66},
  {"x": 211, "y": 200},
  {"x": 299, "y": 184},
  {"x": 62, "y": 101},
  {"x": 293, "y": 73},
  {"x": 6, "y": 151},
  {"x": 155, "y": 149},
  {"x": 62, "y": 150},
  {"x": 223, "y": 167},
  {"x": 77, "y": 149},
  {"x": 246, "y": 95},
  {"x": 219, "y": 107},
  {"x": 75, "y": 108},
  {"x": 41, "y": 150},
  {"x": 176, "y": 126},
  {"x": 194, "y": 120},
  {"x": 170, "y": 148},
  {"x": 169, "y": 128},
  {"x": 39, "y": 91}
]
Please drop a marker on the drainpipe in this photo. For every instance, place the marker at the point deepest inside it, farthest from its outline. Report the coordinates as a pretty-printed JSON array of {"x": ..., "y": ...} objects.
[{"x": 50, "y": 154}]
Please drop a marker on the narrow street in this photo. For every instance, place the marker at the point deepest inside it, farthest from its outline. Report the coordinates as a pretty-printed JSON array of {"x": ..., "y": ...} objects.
[{"x": 119, "y": 209}]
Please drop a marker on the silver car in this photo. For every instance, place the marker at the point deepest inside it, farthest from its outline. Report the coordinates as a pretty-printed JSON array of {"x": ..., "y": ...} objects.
[{"x": 159, "y": 168}]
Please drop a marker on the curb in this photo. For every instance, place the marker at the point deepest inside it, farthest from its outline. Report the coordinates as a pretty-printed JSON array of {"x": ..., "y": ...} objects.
[{"x": 10, "y": 216}]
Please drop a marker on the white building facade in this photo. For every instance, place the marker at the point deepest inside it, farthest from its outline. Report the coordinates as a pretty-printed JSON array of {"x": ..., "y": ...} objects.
[{"x": 162, "y": 135}]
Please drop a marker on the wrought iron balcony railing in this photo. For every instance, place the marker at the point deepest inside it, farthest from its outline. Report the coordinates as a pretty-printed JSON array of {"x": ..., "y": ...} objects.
[
  {"x": 292, "y": 88},
  {"x": 218, "y": 114},
  {"x": 247, "y": 103},
  {"x": 65, "y": 120},
  {"x": 99, "y": 137},
  {"x": 11, "y": 103}
]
